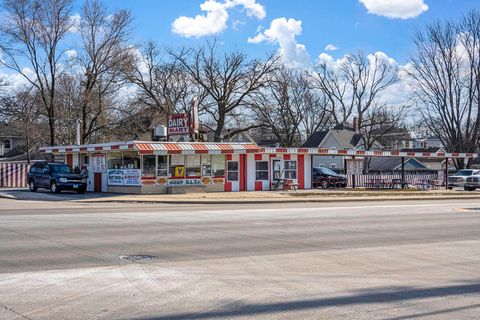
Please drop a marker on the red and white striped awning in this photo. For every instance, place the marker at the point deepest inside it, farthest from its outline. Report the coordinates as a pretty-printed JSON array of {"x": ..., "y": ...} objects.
[
  {"x": 189, "y": 148},
  {"x": 194, "y": 148}
]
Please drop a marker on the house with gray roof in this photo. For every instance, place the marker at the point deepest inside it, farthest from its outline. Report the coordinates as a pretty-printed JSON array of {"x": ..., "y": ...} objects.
[{"x": 341, "y": 137}]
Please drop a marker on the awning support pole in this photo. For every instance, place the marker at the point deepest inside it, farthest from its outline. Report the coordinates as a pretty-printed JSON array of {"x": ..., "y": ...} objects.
[
  {"x": 403, "y": 172},
  {"x": 446, "y": 174},
  {"x": 353, "y": 176}
]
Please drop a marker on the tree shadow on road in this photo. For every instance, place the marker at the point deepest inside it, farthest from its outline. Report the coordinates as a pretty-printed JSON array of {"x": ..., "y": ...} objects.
[{"x": 362, "y": 298}]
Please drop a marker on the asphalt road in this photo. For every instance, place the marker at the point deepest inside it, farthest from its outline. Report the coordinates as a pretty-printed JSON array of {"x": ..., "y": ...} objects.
[{"x": 383, "y": 260}]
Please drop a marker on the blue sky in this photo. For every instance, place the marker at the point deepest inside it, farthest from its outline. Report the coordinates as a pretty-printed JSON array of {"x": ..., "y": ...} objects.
[{"x": 346, "y": 24}]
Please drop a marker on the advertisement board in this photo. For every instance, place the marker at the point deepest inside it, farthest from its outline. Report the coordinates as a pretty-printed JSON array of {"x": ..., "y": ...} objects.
[
  {"x": 179, "y": 124},
  {"x": 124, "y": 177}
]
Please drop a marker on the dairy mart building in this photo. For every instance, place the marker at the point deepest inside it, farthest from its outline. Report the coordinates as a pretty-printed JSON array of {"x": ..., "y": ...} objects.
[{"x": 171, "y": 167}]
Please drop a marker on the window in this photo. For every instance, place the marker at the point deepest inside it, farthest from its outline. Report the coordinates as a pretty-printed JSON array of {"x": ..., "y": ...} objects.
[
  {"x": 177, "y": 166},
  {"x": 7, "y": 144},
  {"x": 162, "y": 166},
  {"x": 232, "y": 170},
  {"x": 115, "y": 161},
  {"x": 334, "y": 149},
  {"x": 333, "y": 166},
  {"x": 206, "y": 161},
  {"x": 193, "y": 166},
  {"x": 148, "y": 166},
  {"x": 218, "y": 165},
  {"x": 261, "y": 170},
  {"x": 291, "y": 169},
  {"x": 130, "y": 160}
]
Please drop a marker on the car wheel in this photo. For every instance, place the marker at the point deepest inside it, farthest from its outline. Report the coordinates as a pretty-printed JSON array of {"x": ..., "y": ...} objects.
[
  {"x": 54, "y": 187},
  {"x": 450, "y": 188},
  {"x": 32, "y": 186},
  {"x": 324, "y": 184},
  {"x": 344, "y": 185},
  {"x": 81, "y": 191}
]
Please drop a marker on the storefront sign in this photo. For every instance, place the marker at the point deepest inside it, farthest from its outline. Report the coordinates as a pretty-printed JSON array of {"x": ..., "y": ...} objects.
[
  {"x": 132, "y": 177},
  {"x": 179, "y": 124},
  {"x": 98, "y": 163},
  {"x": 124, "y": 177},
  {"x": 218, "y": 181},
  {"x": 355, "y": 166},
  {"x": 115, "y": 177},
  {"x": 184, "y": 182}
]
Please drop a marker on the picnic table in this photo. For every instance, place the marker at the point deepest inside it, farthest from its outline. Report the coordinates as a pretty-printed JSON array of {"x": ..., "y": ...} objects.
[
  {"x": 426, "y": 184},
  {"x": 284, "y": 184},
  {"x": 379, "y": 183}
]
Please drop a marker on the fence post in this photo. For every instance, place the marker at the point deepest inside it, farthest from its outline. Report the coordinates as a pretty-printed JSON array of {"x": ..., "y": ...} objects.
[
  {"x": 353, "y": 176},
  {"x": 403, "y": 172}
]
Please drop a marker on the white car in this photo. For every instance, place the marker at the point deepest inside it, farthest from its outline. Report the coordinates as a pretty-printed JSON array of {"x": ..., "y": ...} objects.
[
  {"x": 473, "y": 182},
  {"x": 459, "y": 179}
]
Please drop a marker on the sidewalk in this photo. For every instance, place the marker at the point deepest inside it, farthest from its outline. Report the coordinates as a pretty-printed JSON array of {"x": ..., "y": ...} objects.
[{"x": 291, "y": 197}]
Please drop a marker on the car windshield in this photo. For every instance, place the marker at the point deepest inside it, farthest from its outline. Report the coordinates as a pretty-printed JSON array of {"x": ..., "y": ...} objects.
[
  {"x": 61, "y": 168},
  {"x": 464, "y": 173},
  {"x": 326, "y": 171}
]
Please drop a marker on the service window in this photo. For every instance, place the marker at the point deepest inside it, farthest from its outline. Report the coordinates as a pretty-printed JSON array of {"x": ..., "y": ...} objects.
[
  {"x": 131, "y": 160},
  {"x": 232, "y": 168},
  {"x": 261, "y": 170},
  {"x": 7, "y": 144},
  {"x": 148, "y": 166},
  {"x": 291, "y": 169},
  {"x": 206, "y": 161},
  {"x": 162, "y": 166},
  {"x": 177, "y": 166},
  {"x": 115, "y": 161},
  {"x": 193, "y": 166},
  {"x": 218, "y": 165}
]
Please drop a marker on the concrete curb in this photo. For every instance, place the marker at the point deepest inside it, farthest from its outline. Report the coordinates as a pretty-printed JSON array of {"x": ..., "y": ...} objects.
[{"x": 276, "y": 201}]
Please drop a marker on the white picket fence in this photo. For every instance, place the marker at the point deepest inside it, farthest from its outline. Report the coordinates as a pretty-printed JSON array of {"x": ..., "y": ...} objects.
[
  {"x": 412, "y": 179},
  {"x": 13, "y": 174}
]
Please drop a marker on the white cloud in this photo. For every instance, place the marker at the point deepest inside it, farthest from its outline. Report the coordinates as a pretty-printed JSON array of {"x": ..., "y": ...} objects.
[
  {"x": 331, "y": 47},
  {"x": 71, "y": 54},
  {"x": 284, "y": 32},
  {"x": 75, "y": 20},
  {"x": 400, "y": 9},
  {"x": 215, "y": 19}
]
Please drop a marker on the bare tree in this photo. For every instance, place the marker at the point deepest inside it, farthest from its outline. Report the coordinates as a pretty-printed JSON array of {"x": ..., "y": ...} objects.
[
  {"x": 288, "y": 107},
  {"x": 103, "y": 56},
  {"x": 31, "y": 33},
  {"x": 354, "y": 84},
  {"x": 229, "y": 81},
  {"x": 164, "y": 85},
  {"x": 21, "y": 111},
  {"x": 445, "y": 71}
]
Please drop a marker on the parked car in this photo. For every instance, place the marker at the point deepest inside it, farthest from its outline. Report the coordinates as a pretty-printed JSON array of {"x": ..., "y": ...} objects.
[
  {"x": 472, "y": 183},
  {"x": 459, "y": 178},
  {"x": 55, "y": 176},
  {"x": 326, "y": 178}
]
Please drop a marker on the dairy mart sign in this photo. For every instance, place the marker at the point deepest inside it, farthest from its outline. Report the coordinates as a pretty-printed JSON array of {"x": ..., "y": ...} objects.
[{"x": 179, "y": 124}]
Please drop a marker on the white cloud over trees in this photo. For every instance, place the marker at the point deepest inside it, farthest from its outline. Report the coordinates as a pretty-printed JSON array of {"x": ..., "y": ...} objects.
[
  {"x": 284, "y": 32},
  {"x": 214, "y": 21},
  {"x": 396, "y": 9}
]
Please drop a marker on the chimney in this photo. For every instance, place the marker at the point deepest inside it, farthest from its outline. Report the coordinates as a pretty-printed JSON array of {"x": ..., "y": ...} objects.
[{"x": 355, "y": 124}]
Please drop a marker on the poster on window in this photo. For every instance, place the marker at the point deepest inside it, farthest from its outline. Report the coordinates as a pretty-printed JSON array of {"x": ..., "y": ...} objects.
[
  {"x": 124, "y": 177},
  {"x": 132, "y": 177},
  {"x": 179, "y": 124},
  {"x": 115, "y": 177},
  {"x": 98, "y": 163}
]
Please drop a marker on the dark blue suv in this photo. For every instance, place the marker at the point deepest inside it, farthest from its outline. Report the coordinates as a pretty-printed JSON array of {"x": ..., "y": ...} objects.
[{"x": 55, "y": 176}]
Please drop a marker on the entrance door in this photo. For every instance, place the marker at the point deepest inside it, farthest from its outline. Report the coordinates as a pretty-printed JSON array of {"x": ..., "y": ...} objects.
[
  {"x": 277, "y": 169},
  {"x": 97, "y": 182}
]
